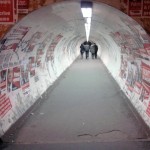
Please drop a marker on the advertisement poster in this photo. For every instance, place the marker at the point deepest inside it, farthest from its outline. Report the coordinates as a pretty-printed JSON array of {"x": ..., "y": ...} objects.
[
  {"x": 145, "y": 93},
  {"x": 32, "y": 66},
  {"x": 146, "y": 8},
  {"x": 145, "y": 71},
  {"x": 135, "y": 8},
  {"x": 39, "y": 54},
  {"x": 25, "y": 86},
  {"x": 6, "y": 60},
  {"x": 147, "y": 48},
  {"x": 23, "y": 6},
  {"x": 148, "y": 110},
  {"x": 13, "y": 79},
  {"x": 50, "y": 51},
  {"x": 3, "y": 89},
  {"x": 29, "y": 45},
  {"x": 5, "y": 105},
  {"x": 7, "y": 11},
  {"x": 14, "y": 38},
  {"x": 40, "y": 50},
  {"x": 25, "y": 79}
]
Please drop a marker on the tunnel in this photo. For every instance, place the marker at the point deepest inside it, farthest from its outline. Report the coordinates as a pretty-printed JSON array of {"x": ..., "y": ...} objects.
[{"x": 37, "y": 50}]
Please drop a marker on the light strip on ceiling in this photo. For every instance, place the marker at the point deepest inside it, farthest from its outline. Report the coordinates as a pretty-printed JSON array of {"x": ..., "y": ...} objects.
[
  {"x": 86, "y": 9},
  {"x": 86, "y": 12}
]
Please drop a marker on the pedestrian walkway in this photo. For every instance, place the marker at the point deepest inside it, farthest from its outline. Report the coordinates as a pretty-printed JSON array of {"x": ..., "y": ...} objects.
[{"x": 84, "y": 106}]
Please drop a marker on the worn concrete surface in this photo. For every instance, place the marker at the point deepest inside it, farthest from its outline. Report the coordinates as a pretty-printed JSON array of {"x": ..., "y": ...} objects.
[{"x": 85, "y": 110}]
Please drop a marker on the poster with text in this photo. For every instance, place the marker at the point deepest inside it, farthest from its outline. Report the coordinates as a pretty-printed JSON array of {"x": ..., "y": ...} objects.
[
  {"x": 13, "y": 79},
  {"x": 50, "y": 51},
  {"x": 135, "y": 8},
  {"x": 23, "y": 6},
  {"x": 7, "y": 11},
  {"x": 29, "y": 45},
  {"x": 146, "y": 8},
  {"x": 14, "y": 38}
]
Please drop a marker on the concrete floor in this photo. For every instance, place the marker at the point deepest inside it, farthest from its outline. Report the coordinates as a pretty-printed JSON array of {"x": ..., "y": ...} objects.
[{"x": 84, "y": 110}]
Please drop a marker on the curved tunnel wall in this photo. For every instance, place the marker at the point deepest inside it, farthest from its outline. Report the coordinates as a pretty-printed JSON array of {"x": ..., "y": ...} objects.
[{"x": 42, "y": 45}]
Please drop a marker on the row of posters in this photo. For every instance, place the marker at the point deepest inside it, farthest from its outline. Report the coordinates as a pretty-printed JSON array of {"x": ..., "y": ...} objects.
[
  {"x": 135, "y": 67},
  {"x": 14, "y": 78},
  {"x": 10, "y": 80},
  {"x": 136, "y": 8},
  {"x": 9, "y": 10},
  {"x": 22, "y": 54}
]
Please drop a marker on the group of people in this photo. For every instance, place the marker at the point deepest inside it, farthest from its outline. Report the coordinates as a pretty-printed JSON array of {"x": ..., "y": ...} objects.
[{"x": 87, "y": 47}]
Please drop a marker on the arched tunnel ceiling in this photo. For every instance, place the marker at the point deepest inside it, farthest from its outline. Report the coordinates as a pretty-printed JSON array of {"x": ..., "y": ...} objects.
[{"x": 67, "y": 18}]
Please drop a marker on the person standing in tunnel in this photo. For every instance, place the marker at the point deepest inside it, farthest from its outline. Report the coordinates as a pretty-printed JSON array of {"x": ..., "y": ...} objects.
[
  {"x": 92, "y": 50},
  {"x": 82, "y": 50},
  {"x": 87, "y": 48},
  {"x": 96, "y": 50}
]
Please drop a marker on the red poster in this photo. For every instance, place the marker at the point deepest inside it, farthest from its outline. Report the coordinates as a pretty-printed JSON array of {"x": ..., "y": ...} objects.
[
  {"x": 7, "y": 11},
  {"x": 147, "y": 48},
  {"x": 23, "y": 6},
  {"x": 146, "y": 8},
  {"x": 137, "y": 87},
  {"x": 147, "y": 45},
  {"x": 148, "y": 110},
  {"x": 135, "y": 8},
  {"x": 13, "y": 79},
  {"x": 5, "y": 105},
  {"x": 145, "y": 71},
  {"x": 146, "y": 88}
]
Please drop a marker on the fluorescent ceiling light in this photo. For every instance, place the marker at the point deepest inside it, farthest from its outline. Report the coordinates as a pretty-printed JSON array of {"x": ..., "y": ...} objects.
[
  {"x": 88, "y": 20},
  {"x": 86, "y": 8},
  {"x": 87, "y": 12},
  {"x": 87, "y": 30}
]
